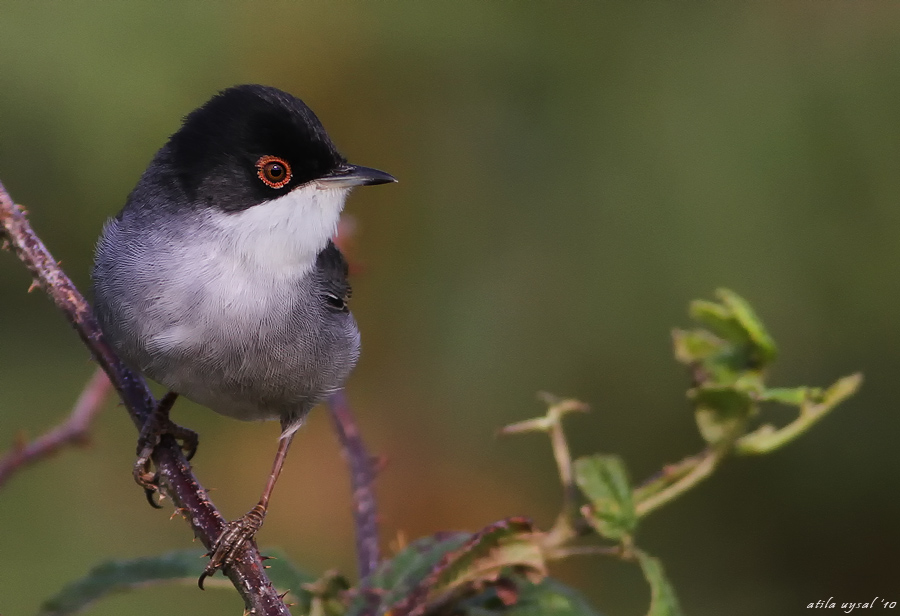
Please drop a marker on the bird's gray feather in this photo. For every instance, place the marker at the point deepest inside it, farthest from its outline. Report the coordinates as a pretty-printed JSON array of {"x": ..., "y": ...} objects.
[{"x": 185, "y": 312}]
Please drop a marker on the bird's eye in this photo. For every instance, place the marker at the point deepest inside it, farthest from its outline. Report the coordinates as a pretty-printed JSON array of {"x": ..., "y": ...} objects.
[{"x": 273, "y": 171}]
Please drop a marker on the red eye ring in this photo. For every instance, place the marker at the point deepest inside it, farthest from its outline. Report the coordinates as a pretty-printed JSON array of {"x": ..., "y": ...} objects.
[{"x": 273, "y": 171}]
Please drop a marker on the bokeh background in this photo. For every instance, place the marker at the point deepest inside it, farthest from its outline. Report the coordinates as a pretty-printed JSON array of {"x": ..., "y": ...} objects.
[{"x": 571, "y": 176}]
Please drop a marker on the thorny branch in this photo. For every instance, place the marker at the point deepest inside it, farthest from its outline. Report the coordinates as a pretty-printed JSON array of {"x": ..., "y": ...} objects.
[
  {"x": 177, "y": 479},
  {"x": 74, "y": 430}
]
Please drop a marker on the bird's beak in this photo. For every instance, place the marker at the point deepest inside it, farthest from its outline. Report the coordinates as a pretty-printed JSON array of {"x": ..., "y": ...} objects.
[{"x": 348, "y": 176}]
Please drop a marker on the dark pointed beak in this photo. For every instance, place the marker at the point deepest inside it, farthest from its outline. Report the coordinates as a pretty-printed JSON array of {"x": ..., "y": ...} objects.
[{"x": 347, "y": 176}]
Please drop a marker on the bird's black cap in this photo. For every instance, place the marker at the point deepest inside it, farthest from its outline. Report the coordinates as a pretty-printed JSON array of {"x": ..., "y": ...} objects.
[{"x": 216, "y": 155}]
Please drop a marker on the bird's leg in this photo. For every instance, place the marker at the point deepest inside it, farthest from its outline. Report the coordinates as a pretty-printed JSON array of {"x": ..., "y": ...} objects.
[
  {"x": 157, "y": 424},
  {"x": 237, "y": 532}
]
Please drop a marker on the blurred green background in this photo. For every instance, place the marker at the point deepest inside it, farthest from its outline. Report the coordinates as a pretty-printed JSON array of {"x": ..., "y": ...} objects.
[{"x": 571, "y": 175}]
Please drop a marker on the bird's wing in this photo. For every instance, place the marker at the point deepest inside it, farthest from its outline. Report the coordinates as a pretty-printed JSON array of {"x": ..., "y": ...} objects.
[{"x": 332, "y": 269}]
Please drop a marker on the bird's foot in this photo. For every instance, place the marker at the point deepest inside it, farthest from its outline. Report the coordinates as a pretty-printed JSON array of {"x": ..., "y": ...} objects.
[
  {"x": 157, "y": 425},
  {"x": 231, "y": 540}
]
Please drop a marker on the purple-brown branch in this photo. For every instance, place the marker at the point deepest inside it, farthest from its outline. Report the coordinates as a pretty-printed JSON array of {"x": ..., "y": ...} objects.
[
  {"x": 247, "y": 573},
  {"x": 73, "y": 431},
  {"x": 362, "y": 479}
]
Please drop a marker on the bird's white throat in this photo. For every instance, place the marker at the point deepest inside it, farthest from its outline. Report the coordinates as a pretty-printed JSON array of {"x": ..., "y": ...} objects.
[{"x": 284, "y": 235}]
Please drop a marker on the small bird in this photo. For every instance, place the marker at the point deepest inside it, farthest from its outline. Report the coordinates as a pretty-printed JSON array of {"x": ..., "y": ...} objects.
[{"x": 219, "y": 278}]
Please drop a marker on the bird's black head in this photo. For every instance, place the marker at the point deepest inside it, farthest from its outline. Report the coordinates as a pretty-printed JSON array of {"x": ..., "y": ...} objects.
[{"x": 250, "y": 144}]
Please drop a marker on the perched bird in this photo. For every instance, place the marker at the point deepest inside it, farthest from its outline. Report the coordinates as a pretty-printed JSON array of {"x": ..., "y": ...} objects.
[{"x": 219, "y": 278}]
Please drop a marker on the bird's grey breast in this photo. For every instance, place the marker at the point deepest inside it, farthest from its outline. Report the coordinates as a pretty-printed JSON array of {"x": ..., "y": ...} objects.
[{"x": 184, "y": 305}]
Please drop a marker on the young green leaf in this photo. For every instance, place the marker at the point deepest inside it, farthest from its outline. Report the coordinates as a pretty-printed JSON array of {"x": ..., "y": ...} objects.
[
  {"x": 694, "y": 346},
  {"x": 721, "y": 411},
  {"x": 720, "y": 320},
  {"x": 736, "y": 344},
  {"x": 604, "y": 482},
  {"x": 814, "y": 405},
  {"x": 792, "y": 396},
  {"x": 663, "y": 601},
  {"x": 751, "y": 324}
]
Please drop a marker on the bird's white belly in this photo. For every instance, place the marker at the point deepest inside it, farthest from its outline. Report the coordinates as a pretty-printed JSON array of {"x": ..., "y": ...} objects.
[{"x": 234, "y": 342}]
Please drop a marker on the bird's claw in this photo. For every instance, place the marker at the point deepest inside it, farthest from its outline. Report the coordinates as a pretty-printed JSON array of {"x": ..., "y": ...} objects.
[
  {"x": 143, "y": 474},
  {"x": 157, "y": 425},
  {"x": 148, "y": 479},
  {"x": 186, "y": 437},
  {"x": 149, "y": 439},
  {"x": 231, "y": 540}
]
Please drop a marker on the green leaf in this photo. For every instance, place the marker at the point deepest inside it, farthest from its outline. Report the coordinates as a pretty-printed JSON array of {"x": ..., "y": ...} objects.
[
  {"x": 604, "y": 482},
  {"x": 396, "y": 578},
  {"x": 444, "y": 570},
  {"x": 121, "y": 575},
  {"x": 286, "y": 577},
  {"x": 327, "y": 595},
  {"x": 721, "y": 411},
  {"x": 550, "y": 598},
  {"x": 814, "y": 406},
  {"x": 792, "y": 396},
  {"x": 743, "y": 342},
  {"x": 751, "y": 324},
  {"x": 663, "y": 601},
  {"x": 545, "y": 598},
  {"x": 510, "y": 543},
  {"x": 720, "y": 320},
  {"x": 181, "y": 566},
  {"x": 695, "y": 345}
]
